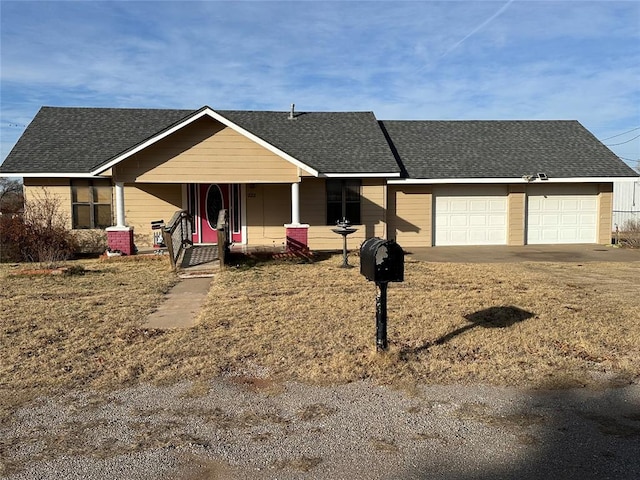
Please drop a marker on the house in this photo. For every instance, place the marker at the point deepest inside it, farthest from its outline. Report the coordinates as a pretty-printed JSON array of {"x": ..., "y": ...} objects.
[{"x": 292, "y": 175}]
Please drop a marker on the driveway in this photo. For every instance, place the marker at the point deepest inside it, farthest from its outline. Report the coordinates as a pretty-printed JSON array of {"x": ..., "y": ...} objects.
[{"x": 528, "y": 253}]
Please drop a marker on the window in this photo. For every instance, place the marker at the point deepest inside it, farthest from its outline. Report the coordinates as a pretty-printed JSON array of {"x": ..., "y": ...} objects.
[
  {"x": 343, "y": 201},
  {"x": 91, "y": 203}
]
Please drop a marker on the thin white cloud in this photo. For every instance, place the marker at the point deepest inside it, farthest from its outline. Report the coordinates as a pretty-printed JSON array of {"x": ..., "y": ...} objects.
[
  {"x": 478, "y": 28},
  {"x": 326, "y": 56}
]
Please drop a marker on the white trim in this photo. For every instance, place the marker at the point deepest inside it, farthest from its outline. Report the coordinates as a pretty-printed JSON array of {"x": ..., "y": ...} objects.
[
  {"x": 296, "y": 225},
  {"x": 211, "y": 113},
  {"x": 53, "y": 175},
  {"x": 118, "y": 229},
  {"x": 431, "y": 181},
  {"x": 198, "y": 213},
  {"x": 360, "y": 175},
  {"x": 243, "y": 212}
]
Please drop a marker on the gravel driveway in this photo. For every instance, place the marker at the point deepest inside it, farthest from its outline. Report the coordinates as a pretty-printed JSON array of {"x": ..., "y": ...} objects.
[{"x": 242, "y": 427}]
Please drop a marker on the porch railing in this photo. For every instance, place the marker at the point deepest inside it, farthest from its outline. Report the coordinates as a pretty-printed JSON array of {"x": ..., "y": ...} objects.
[
  {"x": 223, "y": 236},
  {"x": 177, "y": 235}
]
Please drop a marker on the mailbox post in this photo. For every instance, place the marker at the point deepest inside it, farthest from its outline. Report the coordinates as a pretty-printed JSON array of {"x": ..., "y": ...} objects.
[
  {"x": 381, "y": 316},
  {"x": 381, "y": 261}
]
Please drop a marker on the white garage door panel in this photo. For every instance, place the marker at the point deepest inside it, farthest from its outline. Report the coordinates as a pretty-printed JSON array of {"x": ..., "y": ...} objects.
[
  {"x": 557, "y": 218},
  {"x": 471, "y": 220}
]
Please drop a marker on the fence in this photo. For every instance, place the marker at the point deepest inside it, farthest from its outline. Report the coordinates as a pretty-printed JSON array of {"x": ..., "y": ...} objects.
[{"x": 622, "y": 218}]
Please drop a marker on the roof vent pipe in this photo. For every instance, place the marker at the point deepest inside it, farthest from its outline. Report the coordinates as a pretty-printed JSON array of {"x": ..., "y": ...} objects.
[{"x": 291, "y": 113}]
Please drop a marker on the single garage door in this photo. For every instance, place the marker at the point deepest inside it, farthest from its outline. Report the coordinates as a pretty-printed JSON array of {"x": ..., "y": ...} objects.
[
  {"x": 478, "y": 217},
  {"x": 554, "y": 216}
]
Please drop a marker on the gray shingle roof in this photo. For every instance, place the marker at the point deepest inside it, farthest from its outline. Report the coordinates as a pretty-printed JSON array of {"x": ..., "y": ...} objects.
[
  {"x": 79, "y": 140},
  {"x": 330, "y": 142},
  {"x": 501, "y": 149},
  {"x": 76, "y": 140}
]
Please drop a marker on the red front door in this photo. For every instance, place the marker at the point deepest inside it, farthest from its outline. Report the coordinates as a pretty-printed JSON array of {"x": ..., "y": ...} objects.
[{"x": 211, "y": 199}]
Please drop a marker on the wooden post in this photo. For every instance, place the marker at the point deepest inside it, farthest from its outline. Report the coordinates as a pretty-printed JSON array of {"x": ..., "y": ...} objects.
[{"x": 223, "y": 241}]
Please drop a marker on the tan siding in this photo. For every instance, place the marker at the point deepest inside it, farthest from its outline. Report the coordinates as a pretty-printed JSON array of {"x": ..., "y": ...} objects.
[
  {"x": 410, "y": 215},
  {"x": 313, "y": 201},
  {"x": 605, "y": 212},
  {"x": 268, "y": 210},
  {"x": 373, "y": 208},
  {"x": 313, "y": 211},
  {"x": 516, "y": 215},
  {"x": 58, "y": 189},
  {"x": 206, "y": 152},
  {"x": 146, "y": 202}
]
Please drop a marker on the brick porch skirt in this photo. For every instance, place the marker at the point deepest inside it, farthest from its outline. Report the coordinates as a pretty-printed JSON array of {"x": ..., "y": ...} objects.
[
  {"x": 297, "y": 238},
  {"x": 121, "y": 238}
]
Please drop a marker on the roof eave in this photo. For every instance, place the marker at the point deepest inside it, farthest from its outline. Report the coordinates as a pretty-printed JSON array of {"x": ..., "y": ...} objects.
[
  {"x": 505, "y": 180},
  {"x": 361, "y": 175},
  {"x": 51, "y": 175}
]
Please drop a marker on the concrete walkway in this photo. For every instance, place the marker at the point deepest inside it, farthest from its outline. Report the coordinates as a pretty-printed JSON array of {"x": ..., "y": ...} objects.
[{"x": 181, "y": 305}]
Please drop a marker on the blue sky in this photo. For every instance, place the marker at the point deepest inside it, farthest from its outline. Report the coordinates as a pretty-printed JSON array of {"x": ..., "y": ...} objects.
[{"x": 402, "y": 60}]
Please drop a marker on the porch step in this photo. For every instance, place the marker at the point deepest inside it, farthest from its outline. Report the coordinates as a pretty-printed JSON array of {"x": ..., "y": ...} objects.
[
  {"x": 199, "y": 262},
  {"x": 201, "y": 274}
]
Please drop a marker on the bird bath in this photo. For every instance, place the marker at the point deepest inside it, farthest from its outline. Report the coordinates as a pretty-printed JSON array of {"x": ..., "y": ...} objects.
[{"x": 344, "y": 228}]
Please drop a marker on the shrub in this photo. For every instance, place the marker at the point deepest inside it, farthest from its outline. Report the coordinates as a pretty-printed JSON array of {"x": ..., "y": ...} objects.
[
  {"x": 9, "y": 249},
  {"x": 630, "y": 234},
  {"x": 40, "y": 234},
  {"x": 91, "y": 241}
]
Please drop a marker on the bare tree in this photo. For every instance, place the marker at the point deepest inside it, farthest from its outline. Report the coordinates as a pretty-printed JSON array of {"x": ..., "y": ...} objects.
[{"x": 11, "y": 199}]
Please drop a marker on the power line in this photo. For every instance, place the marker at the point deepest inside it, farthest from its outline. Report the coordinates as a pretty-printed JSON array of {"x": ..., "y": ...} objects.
[
  {"x": 622, "y": 143},
  {"x": 620, "y": 134}
]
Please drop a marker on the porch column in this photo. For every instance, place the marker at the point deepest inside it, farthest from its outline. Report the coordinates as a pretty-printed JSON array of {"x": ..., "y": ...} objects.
[
  {"x": 296, "y": 232},
  {"x": 120, "y": 204},
  {"x": 120, "y": 237},
  {"x": 295, "y": 203}
]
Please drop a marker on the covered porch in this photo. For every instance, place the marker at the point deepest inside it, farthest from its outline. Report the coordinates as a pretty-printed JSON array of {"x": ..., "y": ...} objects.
[{"x": 266, "y": 216}]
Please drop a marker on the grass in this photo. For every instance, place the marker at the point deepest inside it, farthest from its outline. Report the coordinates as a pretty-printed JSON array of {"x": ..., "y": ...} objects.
[{"x": 526, "y": 324}]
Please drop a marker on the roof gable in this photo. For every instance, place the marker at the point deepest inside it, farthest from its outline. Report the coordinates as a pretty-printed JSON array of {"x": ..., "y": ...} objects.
[{"x": 205, "y": 152}]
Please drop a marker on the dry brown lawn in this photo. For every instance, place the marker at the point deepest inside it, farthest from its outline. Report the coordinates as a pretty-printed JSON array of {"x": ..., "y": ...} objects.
[{"x": 535, "y": 325}]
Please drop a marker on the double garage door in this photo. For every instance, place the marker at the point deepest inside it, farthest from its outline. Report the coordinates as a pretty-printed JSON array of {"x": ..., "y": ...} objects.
[{"x": 476, "y": 215}]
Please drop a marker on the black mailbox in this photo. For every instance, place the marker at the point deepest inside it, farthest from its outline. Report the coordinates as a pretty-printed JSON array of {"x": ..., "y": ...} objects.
[{"x": 382, "y": 261}]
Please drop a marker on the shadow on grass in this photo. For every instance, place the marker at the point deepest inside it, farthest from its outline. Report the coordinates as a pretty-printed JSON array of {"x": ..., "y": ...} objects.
[
  {"x": 493, "y": 317},
  {"x": 258, "y": 258}
]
